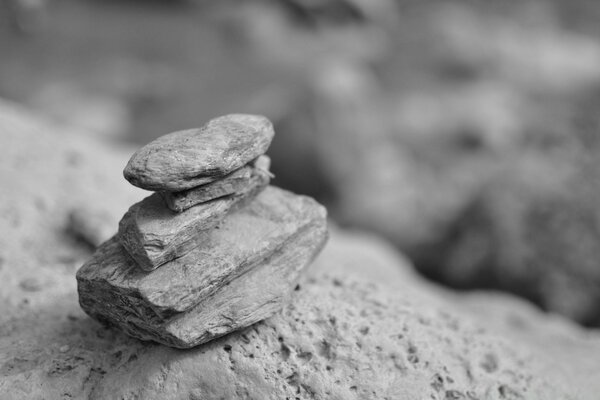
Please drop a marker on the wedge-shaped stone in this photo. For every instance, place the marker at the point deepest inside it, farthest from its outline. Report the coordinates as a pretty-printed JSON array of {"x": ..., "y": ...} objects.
[
  {"x": 256, "y": 172},
  {"x": 243, "y": 273},
  {"x": 153, "y": 234},
  {"x": 186, "y": 159}
]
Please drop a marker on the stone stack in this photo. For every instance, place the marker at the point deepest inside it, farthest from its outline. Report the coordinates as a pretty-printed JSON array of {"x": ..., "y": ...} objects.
[{"x": 214, "y": 249}]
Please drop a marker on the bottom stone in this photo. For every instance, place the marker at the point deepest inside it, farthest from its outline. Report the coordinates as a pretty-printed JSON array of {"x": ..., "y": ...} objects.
[{"x": 112, "y": 290}]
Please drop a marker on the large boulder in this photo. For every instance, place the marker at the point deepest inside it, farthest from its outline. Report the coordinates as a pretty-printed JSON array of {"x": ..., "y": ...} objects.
[{"x": 361, "y": 324}]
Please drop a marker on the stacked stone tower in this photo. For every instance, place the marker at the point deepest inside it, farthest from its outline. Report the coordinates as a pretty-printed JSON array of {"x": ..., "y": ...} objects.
[{"x": 214, "y": 249}]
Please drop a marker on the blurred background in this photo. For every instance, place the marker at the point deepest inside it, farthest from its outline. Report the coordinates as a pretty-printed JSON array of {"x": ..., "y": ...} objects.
[{"x": 466, "y": 132}]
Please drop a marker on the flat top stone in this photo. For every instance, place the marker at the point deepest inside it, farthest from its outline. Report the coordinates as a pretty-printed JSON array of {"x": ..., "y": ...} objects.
[
  {"x": 186, "y": 159},
  {"x": 245, "y": 238}
]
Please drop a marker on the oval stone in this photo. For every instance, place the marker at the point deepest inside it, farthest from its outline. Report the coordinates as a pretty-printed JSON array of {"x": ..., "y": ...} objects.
[{"x": 186, "y": 159}]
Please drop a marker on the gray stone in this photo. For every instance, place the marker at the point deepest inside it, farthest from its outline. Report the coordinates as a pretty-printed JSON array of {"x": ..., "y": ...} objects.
[
  {"x": 235, "y": 182},
  {"x": 186, "y": 159},
  {"x": 154, "y": 235},
  {"x": 240, "y": 274}
]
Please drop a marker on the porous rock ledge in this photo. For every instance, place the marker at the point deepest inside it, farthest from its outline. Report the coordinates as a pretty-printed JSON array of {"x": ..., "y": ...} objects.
[{"x": 361, "y": 326}]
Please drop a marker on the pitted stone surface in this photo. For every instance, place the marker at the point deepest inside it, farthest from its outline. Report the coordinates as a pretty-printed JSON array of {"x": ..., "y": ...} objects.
[{"x": 186, "y": 159}]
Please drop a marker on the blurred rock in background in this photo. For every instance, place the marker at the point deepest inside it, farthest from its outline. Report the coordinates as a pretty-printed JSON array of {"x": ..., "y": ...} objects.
[
  {"x": 465, "y": 132},
  {"x": 484, "y": 174}
]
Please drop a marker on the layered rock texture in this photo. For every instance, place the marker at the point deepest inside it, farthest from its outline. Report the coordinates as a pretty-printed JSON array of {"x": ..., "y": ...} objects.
[
  {"x": 230, "y": 258},
  {"x": 240, "y": 273},
  {"x": 241, "y": 180},
  {"x": 361, "y": 325}
]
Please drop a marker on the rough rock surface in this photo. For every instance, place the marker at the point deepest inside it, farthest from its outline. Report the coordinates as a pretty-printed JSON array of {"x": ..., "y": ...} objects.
[
  {"x": 237, "y": 181},
  {"x": 153, "y": 234},
  {"x": 186, "y": 159},
  {"x": 240, "y": 274},
  {"x": 362, "y": 326}
]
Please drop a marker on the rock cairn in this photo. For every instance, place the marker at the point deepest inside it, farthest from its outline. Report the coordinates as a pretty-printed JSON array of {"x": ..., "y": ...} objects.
[{"x": 215, "y": 249}]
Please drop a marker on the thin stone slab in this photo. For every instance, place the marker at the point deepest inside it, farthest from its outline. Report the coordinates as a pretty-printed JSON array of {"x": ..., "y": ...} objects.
[
  {"x": 243, "y": 273},
  {"x": 256, "y": 172},
  {"x": 153, "y": 234},
  {"x": 185, "y": 159}
]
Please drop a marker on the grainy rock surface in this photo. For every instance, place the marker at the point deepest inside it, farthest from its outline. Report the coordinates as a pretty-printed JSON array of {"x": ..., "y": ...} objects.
[
  {"x": 361, "y": 326},
  {"x": 241, "y": 273},
  {"x": 186, "y": 159},
  {"x": 252, "y": 174},
  {"x": 153, "y": 234}
]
